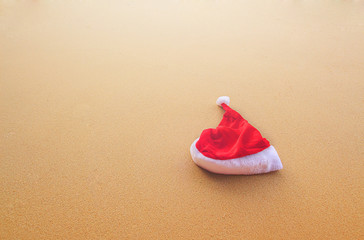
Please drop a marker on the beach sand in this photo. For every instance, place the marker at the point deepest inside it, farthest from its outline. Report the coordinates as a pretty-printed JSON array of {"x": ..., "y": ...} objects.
[{"x": 100, "y": 102}]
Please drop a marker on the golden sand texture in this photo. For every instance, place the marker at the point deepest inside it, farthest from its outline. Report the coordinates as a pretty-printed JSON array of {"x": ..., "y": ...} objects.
[{"x": 100, "y": 101}]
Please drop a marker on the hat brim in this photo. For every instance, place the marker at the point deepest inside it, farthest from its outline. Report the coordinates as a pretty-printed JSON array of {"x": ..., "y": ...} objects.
[{"x": 261, "y": 162}]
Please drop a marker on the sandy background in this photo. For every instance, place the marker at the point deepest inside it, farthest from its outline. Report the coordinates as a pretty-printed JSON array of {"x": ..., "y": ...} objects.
[{"x": 100, "y": 101}]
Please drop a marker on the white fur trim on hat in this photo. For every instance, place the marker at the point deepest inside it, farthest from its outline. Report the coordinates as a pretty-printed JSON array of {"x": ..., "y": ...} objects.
[
  {"x": 223, "y": 99},
  {"x": 261, "y": 162}
]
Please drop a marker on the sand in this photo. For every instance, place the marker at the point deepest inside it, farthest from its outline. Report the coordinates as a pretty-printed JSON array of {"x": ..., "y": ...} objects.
[{"x": 100, "y": 101}]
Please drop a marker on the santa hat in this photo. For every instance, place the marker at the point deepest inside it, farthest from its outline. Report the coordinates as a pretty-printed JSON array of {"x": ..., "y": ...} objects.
[{"x": 234, "y": 147}]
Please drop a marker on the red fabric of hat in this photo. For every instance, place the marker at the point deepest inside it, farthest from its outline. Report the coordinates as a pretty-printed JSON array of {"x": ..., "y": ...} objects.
[{"x": 234, "y": 137}]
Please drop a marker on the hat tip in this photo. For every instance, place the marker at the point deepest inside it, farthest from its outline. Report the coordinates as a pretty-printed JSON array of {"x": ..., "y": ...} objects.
[{"x": 223, "y": 99}]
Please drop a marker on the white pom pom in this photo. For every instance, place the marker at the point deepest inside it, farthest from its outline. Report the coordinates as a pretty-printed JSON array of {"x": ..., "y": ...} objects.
[{"x": 223, "y": 99}]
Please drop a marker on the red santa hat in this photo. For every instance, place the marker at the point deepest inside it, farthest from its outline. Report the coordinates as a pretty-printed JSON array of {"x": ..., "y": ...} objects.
[{"x": 234, "y": 147}]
